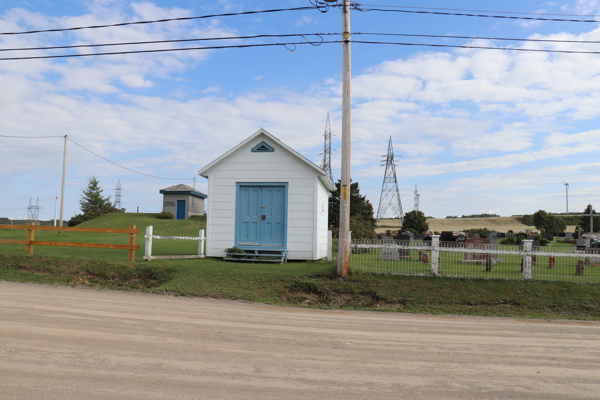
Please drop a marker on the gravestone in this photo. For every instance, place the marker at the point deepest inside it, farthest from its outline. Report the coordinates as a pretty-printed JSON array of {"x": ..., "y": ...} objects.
[
  {"x": 446, "y": 236},
  {"x": 548, "y": 236},
  {"x": 562, "y": 235},
  {"x": 501, "y": 235},
  {"x": 493, "y": 234},
  {"x": 404, "y": 239},
  {"x": 579, "y": 267},
  {"x": 569, "y": 235},
  {"x": 389, "y": 252},
  {"x": 477, "y": 258},
  {"x": 582, "y": 244},
  {"x": 420, "y": 236}
]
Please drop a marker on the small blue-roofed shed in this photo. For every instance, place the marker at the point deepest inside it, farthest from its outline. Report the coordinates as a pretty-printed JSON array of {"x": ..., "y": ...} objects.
[{"x": 183, "y": 201}]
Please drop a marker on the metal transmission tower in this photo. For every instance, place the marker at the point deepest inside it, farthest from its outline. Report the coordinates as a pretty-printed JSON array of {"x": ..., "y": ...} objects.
[
  {"x": 118, "y": 195},
  {"x": 326, "y": 164},
  {"x": 417, "y": 197},
  {"x": 390, "y": 195},
  {"x": 33, "y": 212}
]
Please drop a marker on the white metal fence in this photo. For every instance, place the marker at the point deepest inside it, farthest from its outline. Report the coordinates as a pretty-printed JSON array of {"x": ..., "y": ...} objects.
[
  {"x": 148, "y": 245},
  {"x": 476, "y": 260}
]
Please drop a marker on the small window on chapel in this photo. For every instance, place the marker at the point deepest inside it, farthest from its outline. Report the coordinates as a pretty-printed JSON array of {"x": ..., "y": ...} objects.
[{"x": 262, "y": 147}]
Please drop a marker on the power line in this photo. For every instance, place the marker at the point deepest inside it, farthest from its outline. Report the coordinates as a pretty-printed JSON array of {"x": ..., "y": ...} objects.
[
  {"x": 239, "y": 46},
  {"x": 478, "y": 38},
  {"x": 128, "y": 169},
  {"x": 30, "y": 137},
  {"x": 170, "y": 41},
  {"x": 478, "y": 47},
  {"x": 306, "y": 8},
  {"x": 484, "y": 11},
  {"x": 479, "y": 15}
]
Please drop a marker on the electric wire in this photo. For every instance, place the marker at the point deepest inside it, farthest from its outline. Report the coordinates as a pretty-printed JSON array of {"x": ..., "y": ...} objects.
[
  {"x": 483, "y": 11},
  {"x": 477, "y": 47},
  {"x": 303, "y": 35},
  {"x": 238, "y": 46},
  {"x": 479, "y": 15},
  {"x": 478, "y": 38},
  {"x": 121, "y": 166},
  {"x": 306, "y": 8},
  {"x": 31, "y": 137}
]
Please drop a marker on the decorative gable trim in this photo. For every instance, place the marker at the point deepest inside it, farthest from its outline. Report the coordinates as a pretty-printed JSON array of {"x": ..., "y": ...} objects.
[{"x": 263, "y": 147}]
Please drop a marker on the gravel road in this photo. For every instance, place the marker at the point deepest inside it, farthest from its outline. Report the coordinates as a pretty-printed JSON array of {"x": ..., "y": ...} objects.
[{"x": 68, "y": 343}]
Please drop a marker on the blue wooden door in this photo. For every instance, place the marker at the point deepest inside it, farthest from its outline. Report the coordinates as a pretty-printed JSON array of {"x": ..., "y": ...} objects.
[
  {"x": 249, "y": 216},
  {"x": 180, "y": 209},
  {"x": 261, "y": 216},
  {"x": 272, "y": 207}
]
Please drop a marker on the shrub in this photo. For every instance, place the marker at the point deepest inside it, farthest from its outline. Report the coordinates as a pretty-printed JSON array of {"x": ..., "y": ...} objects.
[
  {"x": 544, "y": 242},
  {"x": 510, "y": 239},
  {"x": 165, "y": 215}
]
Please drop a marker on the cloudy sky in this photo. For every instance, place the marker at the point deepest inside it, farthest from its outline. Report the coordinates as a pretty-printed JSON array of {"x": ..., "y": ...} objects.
[{"x": 478, "y": 130}]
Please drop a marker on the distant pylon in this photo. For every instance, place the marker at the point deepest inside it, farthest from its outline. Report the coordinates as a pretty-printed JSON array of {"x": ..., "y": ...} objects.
[
  {"x": 417, "y": 197},
  {"x": 33, "y": 212},
  {"x": 118, "y": 195},
  {"x": 326, "y": 164},
  {"x": 390, "y": 195}
]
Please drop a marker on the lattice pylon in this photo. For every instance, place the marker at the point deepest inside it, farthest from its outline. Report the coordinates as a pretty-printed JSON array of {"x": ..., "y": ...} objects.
[
  {"x": 118, "y": 195},
  {"x": 417, "y": 197},
  {"x": 33, "y": 212},
  {"x": 326, "y": 164},
  {"x": 390, "y": 195}
]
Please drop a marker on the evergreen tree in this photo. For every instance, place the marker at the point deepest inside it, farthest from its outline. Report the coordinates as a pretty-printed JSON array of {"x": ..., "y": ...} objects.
[
  {"x": 362, "y": 222},
  {"x": 91, "y": 197}
]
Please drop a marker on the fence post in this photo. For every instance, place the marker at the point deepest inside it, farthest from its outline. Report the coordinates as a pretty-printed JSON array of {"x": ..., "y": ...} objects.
[
  {"x": 329, "y": 246},
  {"x": 435, "y": 254},
  {"x": 527, "y": 248},
  {"x": 201, "y": 243},
  {"x": 131, "y": 253},
  {"x": 148, "y": 242},
  {"x": 30, "y": 237}
]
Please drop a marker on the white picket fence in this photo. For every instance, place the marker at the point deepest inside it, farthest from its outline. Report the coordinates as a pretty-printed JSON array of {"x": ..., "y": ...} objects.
[{"x": 148, "y": 245}]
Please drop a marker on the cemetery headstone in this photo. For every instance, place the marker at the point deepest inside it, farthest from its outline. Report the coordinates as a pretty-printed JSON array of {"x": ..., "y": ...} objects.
[
  {"x": 446, "y": 236},
  {"x": 548, "y": 236},
  {"x": 569, "y": 235},
  {"x": 420, "y": 236},
  {"x": 477, "y": 258},
  {"x": 389, "y": 251},
  {"x": 582, "y": 244},
  {"x": 579, "y": 267}
]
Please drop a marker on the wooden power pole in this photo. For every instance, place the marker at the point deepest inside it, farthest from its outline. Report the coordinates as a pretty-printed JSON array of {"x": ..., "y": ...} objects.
[
  {"x": 344, "y": 240},
  {"x": 62, "y": 186}
]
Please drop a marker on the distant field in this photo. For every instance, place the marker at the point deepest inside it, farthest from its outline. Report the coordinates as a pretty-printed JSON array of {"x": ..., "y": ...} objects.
[{"x": 500, "y": 224}]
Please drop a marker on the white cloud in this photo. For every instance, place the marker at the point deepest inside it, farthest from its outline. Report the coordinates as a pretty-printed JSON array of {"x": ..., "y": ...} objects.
[{"x": 305, "y": 20}]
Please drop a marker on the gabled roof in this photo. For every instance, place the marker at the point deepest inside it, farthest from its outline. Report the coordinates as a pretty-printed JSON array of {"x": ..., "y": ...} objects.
[
  {"x": 322, "y": 174},
  {"x": 182, "y": 189}
]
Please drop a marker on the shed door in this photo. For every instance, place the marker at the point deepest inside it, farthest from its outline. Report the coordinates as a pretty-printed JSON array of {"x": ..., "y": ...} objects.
[
  {"x": 180, "y": 209},
  {"x": 261, "y": 216}
]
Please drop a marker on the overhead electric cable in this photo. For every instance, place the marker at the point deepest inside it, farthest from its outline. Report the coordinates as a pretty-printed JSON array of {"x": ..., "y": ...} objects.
[
  {"x": 479, "y": 15},
  {"x": 478, "y": 47},
  {"x": 306, "y": 8},
  {"x": 31, "y": 137},
  {"x": 304, "y": 35},
  {"x": 483, "y": 11},
  {"x": 169, "y": 50},
  {"x": 478, "y": 37},
  {"x": 128, "y": 169}
]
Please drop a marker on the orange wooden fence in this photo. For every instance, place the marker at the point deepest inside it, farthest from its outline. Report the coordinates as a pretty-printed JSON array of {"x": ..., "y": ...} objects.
[{"x": 31, "y": 228}]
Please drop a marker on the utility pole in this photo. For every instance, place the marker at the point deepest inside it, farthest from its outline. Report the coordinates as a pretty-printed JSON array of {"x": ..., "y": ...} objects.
[
  {"x": 62, "y": 186},
  {"x": 567, "y": 189},
  {"x": 344, "y": 240}
]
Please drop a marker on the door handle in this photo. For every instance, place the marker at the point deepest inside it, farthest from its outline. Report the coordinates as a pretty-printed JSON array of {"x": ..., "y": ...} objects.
[{"x": 263, "y": 217}]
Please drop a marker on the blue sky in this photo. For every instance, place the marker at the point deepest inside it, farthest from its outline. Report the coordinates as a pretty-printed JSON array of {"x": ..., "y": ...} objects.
[{"x": 479, "y": 131}]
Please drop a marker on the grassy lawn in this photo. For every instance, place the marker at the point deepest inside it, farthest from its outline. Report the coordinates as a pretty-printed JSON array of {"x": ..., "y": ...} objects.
[{"x": 305, "y": 284}]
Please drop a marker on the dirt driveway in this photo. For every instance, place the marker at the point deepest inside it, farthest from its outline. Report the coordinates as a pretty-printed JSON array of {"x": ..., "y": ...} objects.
[{"x": 64, "y": 343}]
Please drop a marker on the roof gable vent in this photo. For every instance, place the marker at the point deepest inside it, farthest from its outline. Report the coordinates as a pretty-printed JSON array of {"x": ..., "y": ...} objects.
[{"x": 262, "y": 147}]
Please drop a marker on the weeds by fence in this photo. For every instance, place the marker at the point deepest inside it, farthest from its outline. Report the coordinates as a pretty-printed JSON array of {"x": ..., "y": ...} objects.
[{"x": 476, "y": 260}]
